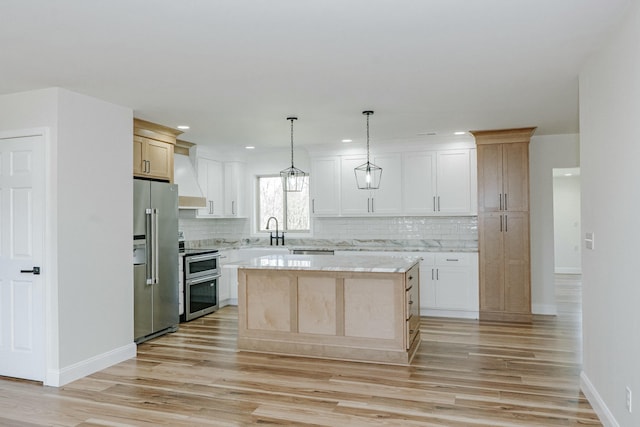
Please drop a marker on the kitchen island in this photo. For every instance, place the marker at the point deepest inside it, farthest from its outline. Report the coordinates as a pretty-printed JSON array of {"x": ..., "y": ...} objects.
[{"x": 361, "y": 308}]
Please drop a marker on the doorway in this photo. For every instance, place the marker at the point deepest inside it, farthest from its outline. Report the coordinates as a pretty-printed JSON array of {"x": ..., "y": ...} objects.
[
  {"x": 22, "y": 207},
  {"x": 567, "y": 240}
]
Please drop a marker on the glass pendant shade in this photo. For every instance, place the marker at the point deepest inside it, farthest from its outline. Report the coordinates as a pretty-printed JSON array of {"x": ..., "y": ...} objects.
[
  {"x": 368, "y": 175},
  {"x": 292, "y": 177}
]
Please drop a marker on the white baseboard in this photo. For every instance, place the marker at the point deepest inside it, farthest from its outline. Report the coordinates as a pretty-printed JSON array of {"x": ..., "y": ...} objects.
[
  {"x": 606, "y": 417},
  {"x": 462, "y": 314},
  {"x": 60, "y": 377},
  {"x": 568, "y": 270},
  {"x": 546, "y": 309}
]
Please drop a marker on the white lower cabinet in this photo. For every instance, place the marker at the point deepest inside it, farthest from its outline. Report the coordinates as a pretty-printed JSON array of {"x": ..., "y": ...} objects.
[
  {"x": 449, "y": 284},
  {"x": 225, "y": 283}
]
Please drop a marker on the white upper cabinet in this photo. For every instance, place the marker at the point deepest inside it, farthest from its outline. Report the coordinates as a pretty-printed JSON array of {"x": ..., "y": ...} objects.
[
  {"x": 439, "y": 182},
  {"x": 234, "y": 189},
  {"x": 434, "y": 182},
  {"x": 386, "y": 200},
  {"x": 210, "y": 179},
  {"x": 353, "y": 201},
  {"x": 324, "y": 181},
  {"x": 419, "y": 183},
  {"x": 222, "y": 184}
]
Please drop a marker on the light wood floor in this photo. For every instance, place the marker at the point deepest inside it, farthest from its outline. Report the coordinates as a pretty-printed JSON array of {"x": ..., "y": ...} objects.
[{"x": 466, "y": 373}]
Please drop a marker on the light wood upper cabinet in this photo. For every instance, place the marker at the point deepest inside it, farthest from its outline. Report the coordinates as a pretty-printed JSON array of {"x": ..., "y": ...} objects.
[
  {"x": 503, "y": 172},
  {"x": 503, "y": 224},
  {"x": 153, "y": 147}
]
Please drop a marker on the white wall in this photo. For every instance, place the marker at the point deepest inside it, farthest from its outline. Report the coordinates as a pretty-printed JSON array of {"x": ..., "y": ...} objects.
[
  {"x": 610, "y": 149},
  {"x": 95, "y": 227},
  {"x": 546, "y": 153},
  {"x": 566, "y": 224},
  {"x": 88, "y": 279}
]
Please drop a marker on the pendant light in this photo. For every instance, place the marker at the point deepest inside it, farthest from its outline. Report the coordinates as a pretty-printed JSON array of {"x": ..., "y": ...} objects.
[
  {"x": 368, "y": 175},
  {"x": 292, "y": 178}
]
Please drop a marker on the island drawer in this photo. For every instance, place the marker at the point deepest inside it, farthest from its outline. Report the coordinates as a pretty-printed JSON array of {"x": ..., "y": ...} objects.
[
  {"x": 412, "y": 329},
  {"x": 412, "y": 277}
]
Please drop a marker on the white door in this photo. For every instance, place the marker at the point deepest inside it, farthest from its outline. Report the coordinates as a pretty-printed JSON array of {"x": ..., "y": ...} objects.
[{"x": 22, "y": 352}]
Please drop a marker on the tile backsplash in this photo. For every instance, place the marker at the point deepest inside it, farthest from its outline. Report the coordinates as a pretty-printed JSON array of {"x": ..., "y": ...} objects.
[
  {"x": 340, "y": 228},
  {"x": 402, "y": 227}
]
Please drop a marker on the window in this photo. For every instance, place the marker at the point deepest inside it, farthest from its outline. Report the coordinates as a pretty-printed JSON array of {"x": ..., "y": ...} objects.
[{"x": 290, "y": 208}]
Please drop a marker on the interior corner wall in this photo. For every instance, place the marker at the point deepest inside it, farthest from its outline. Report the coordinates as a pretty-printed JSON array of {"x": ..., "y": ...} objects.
[
  {"x": 95, "y": 228},
  {"x": 89, "y": 279},
  {"x": 609, "y": 152},
  {"x": 546, "y": 153}
]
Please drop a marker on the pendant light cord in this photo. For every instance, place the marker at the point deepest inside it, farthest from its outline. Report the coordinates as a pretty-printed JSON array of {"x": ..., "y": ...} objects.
[{"x": 292, "y": 119}]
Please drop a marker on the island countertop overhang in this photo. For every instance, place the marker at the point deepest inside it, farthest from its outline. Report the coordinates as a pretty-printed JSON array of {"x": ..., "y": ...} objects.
[{"x": 345, "y": 263}]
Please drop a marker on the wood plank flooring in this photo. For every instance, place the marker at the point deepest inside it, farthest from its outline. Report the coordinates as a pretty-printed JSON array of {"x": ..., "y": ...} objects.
[{"x": 466, "y": 373}]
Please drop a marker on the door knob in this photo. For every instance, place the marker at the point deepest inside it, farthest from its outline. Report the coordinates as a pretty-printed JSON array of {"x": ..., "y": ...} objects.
[{"x": 35, "y": 271}]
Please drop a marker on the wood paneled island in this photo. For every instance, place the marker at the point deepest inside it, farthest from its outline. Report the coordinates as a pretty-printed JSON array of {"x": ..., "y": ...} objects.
[{"x": 362, "y": 308}]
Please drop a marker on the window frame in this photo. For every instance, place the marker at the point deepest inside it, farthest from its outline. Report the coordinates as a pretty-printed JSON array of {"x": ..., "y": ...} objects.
[{"x": 282, "y": 224}]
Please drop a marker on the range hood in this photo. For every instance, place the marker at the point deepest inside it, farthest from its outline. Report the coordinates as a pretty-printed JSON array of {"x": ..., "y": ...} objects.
[{"x": 189, "y": 192}]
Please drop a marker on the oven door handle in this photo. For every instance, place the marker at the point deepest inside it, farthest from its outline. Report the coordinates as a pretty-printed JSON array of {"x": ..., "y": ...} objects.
[
  {"x": 202, "y": 279},
  {"x": 192, "y": 258}
]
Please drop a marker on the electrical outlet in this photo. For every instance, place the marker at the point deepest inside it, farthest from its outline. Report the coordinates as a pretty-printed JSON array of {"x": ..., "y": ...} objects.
[{"x": 628, "y": 399}]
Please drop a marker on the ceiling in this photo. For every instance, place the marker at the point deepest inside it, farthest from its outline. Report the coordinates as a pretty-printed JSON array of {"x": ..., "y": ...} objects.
[{"x": 234, "y": 70}]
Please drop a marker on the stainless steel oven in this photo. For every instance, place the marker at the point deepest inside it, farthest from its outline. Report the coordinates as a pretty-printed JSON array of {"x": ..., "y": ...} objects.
[
  {"x": 201, "y": 283},
  {"x": 199, "y": 264}
]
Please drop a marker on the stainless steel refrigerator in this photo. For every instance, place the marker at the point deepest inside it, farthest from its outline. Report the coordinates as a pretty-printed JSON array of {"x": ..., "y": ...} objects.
[{"x": 155, "y": 258}]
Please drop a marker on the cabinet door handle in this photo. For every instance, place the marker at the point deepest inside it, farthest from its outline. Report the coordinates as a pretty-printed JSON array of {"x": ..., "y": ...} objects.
[
  {"x": 233, "y": 207},
  {"x": 410, "y": 302},
  {"x": 434, "y": 203},
  {"x": 372, "y": 210},
  {"x": 313, "y": 205},
  {"x": 368, "y": 205},
  {"x": 437, "y": 274},
  {"x": 505, "y": 202},
  {"x": 438, "y": 203},
  {"x": 506, "y": 224},
  {"x": 410, "y": 278},
  {"x": 501, "y": 223},
  {"x": 500, "y": 198},
  {"x": 432, "y": 270},
  {"x": 453, "y": 259}
]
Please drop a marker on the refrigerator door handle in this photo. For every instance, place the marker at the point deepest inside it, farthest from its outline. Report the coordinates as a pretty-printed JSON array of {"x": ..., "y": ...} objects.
[
  {"x": 151, "y": 246},
  {"x": 156, "y": 245}
]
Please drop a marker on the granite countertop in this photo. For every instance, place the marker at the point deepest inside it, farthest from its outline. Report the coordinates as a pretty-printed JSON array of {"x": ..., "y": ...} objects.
[{"x": 364, "y": 264}]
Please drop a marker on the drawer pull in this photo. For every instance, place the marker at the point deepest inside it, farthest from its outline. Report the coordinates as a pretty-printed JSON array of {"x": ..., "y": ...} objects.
[
  {"x": 410, "y": 302},
  {"x": 409, "y": 288},
  {"x": 410, "y": 277},
  {"x": 452, "y": 259}
]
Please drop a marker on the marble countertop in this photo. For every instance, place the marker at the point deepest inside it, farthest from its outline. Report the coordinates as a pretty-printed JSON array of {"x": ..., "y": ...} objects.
[{"x": 361, "y": 263}]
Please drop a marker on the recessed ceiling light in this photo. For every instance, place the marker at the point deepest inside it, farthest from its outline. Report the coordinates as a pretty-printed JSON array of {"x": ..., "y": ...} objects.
[
  {"x": 250, "y": 147},
  {"x": 460, "y": 132},
  {"x": 347, "y": 140},
  {"x": 183, "y": 127}
]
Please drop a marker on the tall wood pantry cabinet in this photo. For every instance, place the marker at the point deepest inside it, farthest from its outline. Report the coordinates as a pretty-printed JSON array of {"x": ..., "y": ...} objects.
[{"x": 503, "y": 224}]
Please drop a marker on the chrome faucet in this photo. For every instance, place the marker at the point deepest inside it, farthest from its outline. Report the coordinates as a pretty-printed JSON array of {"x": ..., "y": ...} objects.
[{"x": 277, "y": 236}]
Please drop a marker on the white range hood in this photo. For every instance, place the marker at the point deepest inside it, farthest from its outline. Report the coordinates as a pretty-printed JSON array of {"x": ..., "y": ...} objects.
[{"x": 189, "y": 192}]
